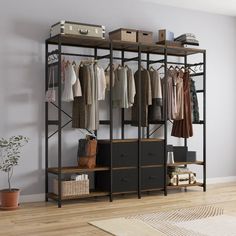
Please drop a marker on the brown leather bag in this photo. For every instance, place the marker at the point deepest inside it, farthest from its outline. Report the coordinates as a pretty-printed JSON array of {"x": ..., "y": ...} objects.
[{"x": 87, "y": 153}]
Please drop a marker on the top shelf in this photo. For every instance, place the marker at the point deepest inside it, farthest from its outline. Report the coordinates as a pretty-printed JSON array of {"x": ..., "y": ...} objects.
[{"x": 81, "y": 41}]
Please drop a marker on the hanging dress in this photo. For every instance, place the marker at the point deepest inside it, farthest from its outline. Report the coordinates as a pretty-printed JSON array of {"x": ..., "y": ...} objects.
[{"x": 183, "y": 128}]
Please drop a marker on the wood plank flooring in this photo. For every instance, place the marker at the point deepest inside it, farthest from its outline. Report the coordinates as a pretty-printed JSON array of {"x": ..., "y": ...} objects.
[{"x": 45, "y": 219}]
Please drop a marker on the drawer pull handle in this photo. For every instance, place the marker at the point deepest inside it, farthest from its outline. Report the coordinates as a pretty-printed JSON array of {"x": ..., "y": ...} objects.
[
  {"x": 83, "y": 31},
  {"x": 152, "y": 177},
  {"x": 123, "y": 155},
  {"x": 150, "y": 154},
  {"x": 125, "y": 180}
]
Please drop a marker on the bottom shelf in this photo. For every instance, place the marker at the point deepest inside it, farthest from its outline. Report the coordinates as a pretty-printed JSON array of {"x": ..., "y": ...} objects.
[
  {"x": 92, "y": 194},
  {"x": 186, "y": 185}
]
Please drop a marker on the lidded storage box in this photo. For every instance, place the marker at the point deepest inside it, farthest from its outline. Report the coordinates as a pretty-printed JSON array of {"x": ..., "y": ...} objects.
[
  {"x": 123, "y": 35},
  {"x": 79, "y": 29},
  {"x": 144, "y": 36}
]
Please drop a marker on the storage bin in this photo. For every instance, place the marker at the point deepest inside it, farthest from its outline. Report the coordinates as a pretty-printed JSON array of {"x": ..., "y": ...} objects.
[
  {"x": 125, "y": 154},
  {"x": 123, "y": 35},
  {"x": 72, "y": 187},
  {"x": 144, "y": 37},
  {"x": 122, "y": 180}
]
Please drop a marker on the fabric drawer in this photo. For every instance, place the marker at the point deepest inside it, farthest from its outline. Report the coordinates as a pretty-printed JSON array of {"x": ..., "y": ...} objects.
[
  {"x": 152, "y": 178},
  {"x": 152, "y": 153},
  {"x": 123, "y": 180},
  {"x": 125, "y": 154}
]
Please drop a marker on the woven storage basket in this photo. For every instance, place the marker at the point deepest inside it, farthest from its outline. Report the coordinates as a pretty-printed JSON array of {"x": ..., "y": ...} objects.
[{"x": 72, "y": 187}]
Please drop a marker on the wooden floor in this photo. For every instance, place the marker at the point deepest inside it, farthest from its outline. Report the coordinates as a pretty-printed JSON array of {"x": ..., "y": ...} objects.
[{"x": 45, "y": 219}]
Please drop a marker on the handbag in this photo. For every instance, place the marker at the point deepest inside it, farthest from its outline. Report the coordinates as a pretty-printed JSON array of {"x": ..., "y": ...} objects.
[
  {"x": 51, "y": 92},
  {"x": 87, "y": 151}
]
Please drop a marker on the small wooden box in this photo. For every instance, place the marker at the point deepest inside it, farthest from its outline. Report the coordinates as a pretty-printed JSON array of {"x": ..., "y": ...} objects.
[
  {"x": 123, "y": 35},
  {"x": 166, "y": 35},
  {"x": 144, "y": 36},
  {"x": 72, "y": 187}
]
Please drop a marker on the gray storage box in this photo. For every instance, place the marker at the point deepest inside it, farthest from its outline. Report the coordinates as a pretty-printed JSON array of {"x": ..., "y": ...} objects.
[
  {"x": 79, "y": 29},
  {"x": 191, "y": 156},
  {"x": 180, "y": 153}
]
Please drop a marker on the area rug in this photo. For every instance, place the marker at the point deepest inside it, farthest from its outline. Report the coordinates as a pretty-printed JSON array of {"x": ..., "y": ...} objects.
[{"x": 197, "y": 221}]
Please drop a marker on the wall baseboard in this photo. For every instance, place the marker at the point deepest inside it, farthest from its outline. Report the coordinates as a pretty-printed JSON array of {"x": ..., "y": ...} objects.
[
  {"x": 32, "y": 198},
  {"x": 219, "y": 180},
  {"x": 41, "y": 196}
]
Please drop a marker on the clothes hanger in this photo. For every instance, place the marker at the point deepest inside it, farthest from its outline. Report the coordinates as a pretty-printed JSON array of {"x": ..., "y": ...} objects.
[
  {"x": 177, "y": 68},
  {"x": 108, "y": 67},
  {"x": 152, "y": 68},
  {"x": 171, "y": 68},
  {"x": 160, "y": 67},
  {"x": 190, "y": 69}
]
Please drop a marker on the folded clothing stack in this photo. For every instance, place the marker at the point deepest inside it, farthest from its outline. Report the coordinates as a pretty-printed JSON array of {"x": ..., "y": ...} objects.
[
  {"x": 188, "y": 39},
  {"x": 79, "y": 177},
  {"x": 180, "y": 176}
]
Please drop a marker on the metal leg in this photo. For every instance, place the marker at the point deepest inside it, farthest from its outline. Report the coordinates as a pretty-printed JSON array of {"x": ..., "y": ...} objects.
[
  {"x": 165, "y": 128},
  {"x": 46, "y": 124},
  {"x": 59, "y": 125},
  {"x": 139, "y": 122},
  {"x": 204, "y": 124},
  {"x": 111, "y": 122}
]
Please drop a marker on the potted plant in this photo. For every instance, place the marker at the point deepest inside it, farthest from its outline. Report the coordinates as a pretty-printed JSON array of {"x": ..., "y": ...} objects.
[{"x": 9, "y": 158}]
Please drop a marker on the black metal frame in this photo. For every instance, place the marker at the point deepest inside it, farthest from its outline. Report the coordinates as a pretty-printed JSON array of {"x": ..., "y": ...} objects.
[{"x": 124, "y": 122}]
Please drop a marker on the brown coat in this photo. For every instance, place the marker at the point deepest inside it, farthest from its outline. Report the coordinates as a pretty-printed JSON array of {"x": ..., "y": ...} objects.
[{"x": 146, "y": 98}]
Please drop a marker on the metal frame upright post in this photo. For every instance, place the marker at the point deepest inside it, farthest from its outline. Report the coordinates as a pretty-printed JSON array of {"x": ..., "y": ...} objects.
[
  {"x": 122, "y": 109},
  {"x": 111, "y": 120},
  {"x": 139, "y": 121},
  {"x": 46, "y": 123},
  {"x": 59, "y": 124},
  {"x": 204, "y": 121},
  {"x": 185, "y": 65},
  {"x": 95, "y": 58},
  {"x": 148, "y": 61},
  {"x": 165, "y": 125}
]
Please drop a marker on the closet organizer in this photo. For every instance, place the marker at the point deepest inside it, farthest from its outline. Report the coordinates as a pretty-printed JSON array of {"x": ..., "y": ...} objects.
[{"x": 124, "y": 165}]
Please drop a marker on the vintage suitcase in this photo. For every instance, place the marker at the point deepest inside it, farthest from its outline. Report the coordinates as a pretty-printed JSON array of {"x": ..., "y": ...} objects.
[
  {"x": 80, "y": 29},
  {"x": 144, "y": 37},
  {"x": 181, "y": 178},
  {"x": 123, "y": 35}
]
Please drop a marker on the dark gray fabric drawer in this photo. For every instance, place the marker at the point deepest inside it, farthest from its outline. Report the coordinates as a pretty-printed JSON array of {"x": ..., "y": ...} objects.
[
  {"x": 152, "y": 153},
  {"x": 125, "y": 154},
  {"x": 152, "y": 178}
]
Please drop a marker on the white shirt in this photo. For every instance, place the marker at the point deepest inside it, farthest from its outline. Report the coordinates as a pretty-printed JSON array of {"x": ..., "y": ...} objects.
[
  {"x": 70, "y": 79},
  {"x": 77, "y": 86}
]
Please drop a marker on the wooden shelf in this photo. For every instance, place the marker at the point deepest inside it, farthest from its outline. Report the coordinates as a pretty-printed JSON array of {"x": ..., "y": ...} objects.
[
  {"x": 185, "y": 185},
  {"x": 92, "y": 194},
  {"x": 130, "y": 140},
  {"x": 83, "y": 41},
  {"x": 152, "y": 190},
  {"x": 186, "y": 163},
  {"x": 125, "y": 168},
  {"x": 125, "y": 192},
  {"x": 152, "y": 166},
  {"x": 74, "y": 170}
]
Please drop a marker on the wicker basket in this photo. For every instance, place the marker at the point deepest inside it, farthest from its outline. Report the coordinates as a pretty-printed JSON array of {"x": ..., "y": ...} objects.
[{"x": 72, "y": 187}]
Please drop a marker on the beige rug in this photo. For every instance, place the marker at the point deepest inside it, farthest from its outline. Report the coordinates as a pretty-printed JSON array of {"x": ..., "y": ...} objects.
[{"x": 200, "y": 221}]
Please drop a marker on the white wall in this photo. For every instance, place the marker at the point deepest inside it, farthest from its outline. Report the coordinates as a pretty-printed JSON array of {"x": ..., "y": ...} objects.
[{"x": 24, "y": 27}]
